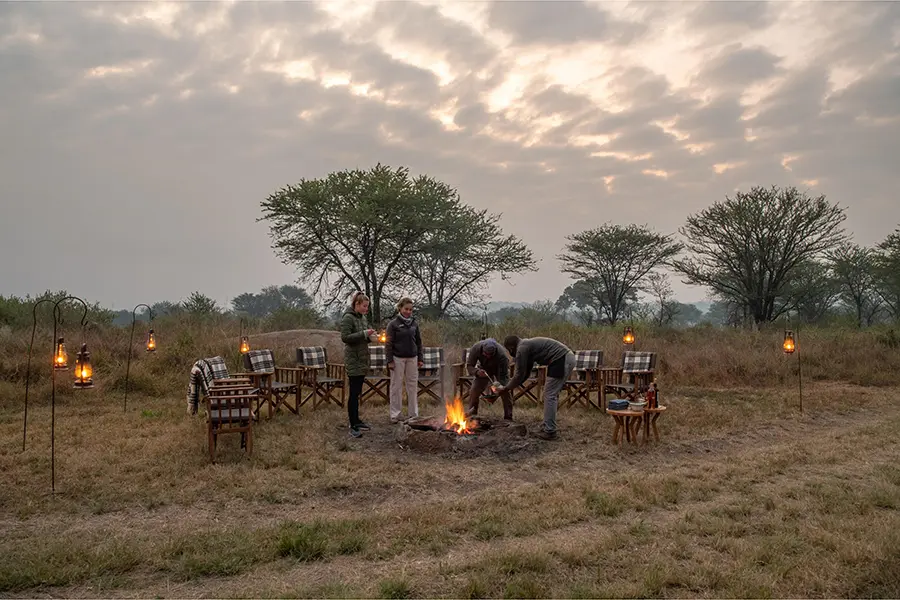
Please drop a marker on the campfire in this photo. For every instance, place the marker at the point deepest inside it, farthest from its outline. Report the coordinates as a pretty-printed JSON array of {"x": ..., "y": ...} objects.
[{"x": 456, "y": 418}]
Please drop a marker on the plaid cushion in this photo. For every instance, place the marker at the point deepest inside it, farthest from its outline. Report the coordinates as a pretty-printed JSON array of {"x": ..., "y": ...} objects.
[
  {"x": 260, "y": 361},
  {"x": 432, "y": 357},
  {"x": 377, "y": 357},
  {"x": 637, "y": 362},
  {"x": 588, "y": 359},
  {"x": 312, "y": 356}
]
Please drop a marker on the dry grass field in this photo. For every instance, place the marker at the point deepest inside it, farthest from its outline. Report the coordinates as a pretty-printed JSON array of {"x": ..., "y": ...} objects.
[{"x": 742, "y": 497}]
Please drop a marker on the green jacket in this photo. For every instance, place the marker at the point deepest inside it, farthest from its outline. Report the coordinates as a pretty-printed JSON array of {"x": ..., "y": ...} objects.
[{"x": 356, "y": 343}]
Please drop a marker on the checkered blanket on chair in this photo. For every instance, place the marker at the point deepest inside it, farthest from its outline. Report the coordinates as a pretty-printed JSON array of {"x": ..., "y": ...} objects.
[
  {"x": 432, "y": 357},
  {"x": 260, "y": 361},
  {"x": 637, "y": 362},
  {"x": 312, "y": 356},
  {"x": 203, "y": 373},
  {"x": 377, "y": 358},
  {"x": 588, "y": 359}
]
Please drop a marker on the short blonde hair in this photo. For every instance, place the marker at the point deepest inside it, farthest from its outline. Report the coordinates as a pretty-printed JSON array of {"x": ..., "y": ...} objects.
[{"x": 403, "y": 302}]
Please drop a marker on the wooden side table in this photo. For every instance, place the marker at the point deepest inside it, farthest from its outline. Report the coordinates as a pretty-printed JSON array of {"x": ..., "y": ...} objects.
[
  {"x": 649, "y": 420},
  {"x": 627, "y": 423}
]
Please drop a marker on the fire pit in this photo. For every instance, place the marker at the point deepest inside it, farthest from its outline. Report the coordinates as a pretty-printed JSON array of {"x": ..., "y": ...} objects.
[{"x": 454, "y": 432}]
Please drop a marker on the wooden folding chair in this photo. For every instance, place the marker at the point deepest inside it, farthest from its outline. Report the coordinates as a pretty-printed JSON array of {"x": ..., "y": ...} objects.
[
  {"x": 584, "y": 379},
  {"x": 532, "y": 387},
  {"x": 640, "y": 367},
  {"x": 463, "y": 381},
  {"x": 323, "y": 379},
  {"x": 275, "y": 383},
  {"x": 377, "y": 382},
  {"x": 431, "y": 374},
  {"x": 229, "y": 409},
  {"x": 206, "y": 374}
]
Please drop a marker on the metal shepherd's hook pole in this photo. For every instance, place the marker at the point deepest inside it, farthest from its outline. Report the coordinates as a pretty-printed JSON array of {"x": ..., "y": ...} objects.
[
  {"x": 28, "y": 368},
  {"x": 799, "y": 367},
  {"x": 130, "y": 350},
  {"x": 56, "y": 316}
]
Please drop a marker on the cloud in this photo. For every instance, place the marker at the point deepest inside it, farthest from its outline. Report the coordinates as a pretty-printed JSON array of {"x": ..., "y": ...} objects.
[{"x": 142, "y": 138}]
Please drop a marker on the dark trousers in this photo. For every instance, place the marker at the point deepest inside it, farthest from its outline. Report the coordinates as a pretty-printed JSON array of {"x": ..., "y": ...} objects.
[
  {"x": 356, "y": 385},
  {"x": 479, "y": 384}
]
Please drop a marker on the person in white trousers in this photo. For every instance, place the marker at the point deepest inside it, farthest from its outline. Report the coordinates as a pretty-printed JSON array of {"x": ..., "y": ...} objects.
[{"x": 403, "y": 349}]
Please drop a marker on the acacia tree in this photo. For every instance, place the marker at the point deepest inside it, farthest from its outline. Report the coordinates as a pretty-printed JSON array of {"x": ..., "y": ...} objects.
[
  {"x": 746, "y": 248},
  {"x": 457, "y": 261},
  {"x": 811, "y": 291},
  {"x": 351, "y": 229},
  {"x": 613, "y": 260},
  {"x": 887, "y": 272},
  {"x": 271, "y": 299},
  {"x": 854, "y": 270}
]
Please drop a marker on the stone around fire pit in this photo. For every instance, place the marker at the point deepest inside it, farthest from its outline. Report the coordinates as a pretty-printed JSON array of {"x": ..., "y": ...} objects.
[{"x": 427, "y": 434}]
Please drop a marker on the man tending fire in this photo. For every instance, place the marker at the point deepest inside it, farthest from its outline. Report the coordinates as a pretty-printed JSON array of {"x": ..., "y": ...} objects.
[{"x": 488, "y": 362}]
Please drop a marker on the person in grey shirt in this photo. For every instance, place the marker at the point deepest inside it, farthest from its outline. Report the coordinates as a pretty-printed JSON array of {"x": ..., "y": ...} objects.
[
  {"x": 560, "y": 362},
  {"x": 487, "y": 361}
]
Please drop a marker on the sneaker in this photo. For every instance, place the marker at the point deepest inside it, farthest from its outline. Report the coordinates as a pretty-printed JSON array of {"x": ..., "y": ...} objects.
[
  {"x": 397, "y": 420},
  {"x": 547, "y": 435},
  {"x": 355, "y": 433},
  {"x": 362, "y": 425}
]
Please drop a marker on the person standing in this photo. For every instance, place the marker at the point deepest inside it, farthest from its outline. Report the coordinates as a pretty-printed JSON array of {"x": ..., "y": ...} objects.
[
  {"x": 488, "y": 362},
  {"x": 560, "y": 362},
  {"x": 403, "y": 350},
  {"x": 356, "y": 334}
]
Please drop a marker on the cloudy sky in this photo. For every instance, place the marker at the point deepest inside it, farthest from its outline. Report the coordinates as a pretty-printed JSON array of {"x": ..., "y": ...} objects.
[{"x": 137, "y": 140}]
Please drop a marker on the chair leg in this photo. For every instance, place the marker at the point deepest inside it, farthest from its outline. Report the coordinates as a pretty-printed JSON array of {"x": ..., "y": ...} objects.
[
  {"x": 212, "y": 444},
  {"x": 249, "y": 441}
]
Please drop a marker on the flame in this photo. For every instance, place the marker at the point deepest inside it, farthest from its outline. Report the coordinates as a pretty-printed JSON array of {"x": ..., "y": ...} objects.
[{"x": 456, "y": 417}]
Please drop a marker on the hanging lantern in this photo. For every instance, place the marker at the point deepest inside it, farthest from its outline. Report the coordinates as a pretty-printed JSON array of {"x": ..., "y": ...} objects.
[
  {"x": 382, "y": 337},
  {"x": 788, "y": 346},
  {"x": 628, "y": 336},
  {"x": 151, "y": 342},
  {"x": 83, "y": 371},
  {"x": 245, "y": 344},
  {"x": 60, "y": 359}
]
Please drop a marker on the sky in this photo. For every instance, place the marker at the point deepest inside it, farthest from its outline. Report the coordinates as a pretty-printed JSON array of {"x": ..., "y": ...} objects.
[{"x": 137, "y": 140}]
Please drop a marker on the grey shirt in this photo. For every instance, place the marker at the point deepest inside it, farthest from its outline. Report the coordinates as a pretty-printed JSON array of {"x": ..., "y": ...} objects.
[
  {"x": 496, "y": 365},
  {"x": 537, "y": 350}
]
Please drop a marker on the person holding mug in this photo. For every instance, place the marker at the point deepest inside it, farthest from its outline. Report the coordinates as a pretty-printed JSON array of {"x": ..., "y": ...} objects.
[
  {"x": 403, "y": 350},
  {"x": 356, "y": 335}
]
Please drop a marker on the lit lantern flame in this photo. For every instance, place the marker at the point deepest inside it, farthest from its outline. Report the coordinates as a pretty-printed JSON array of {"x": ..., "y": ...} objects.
[
  {"x": 60, "y": 358},
  {"x": 245, "y": 345},
  {"x": 382, "y": 337},
  {"x": 83, "y": 371},
  {"x": 151, "y": 342},
  {"x": 628, "y": 336},
  {"x": 789, "y": 346},
  {"x": 456, "y": 417}
]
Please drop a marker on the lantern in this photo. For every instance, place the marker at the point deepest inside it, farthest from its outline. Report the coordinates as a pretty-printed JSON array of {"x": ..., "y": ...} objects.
[
  {"x": 382, "y": 337},
  {"x": 83, "y": 370},
  {"x": 788, "y": 346},
  {"x": 628, "y": 336},
  {"x": 60, "y": 359},
  {"x": 151, "y": 342},
  {"x": 245, "y": 344}
]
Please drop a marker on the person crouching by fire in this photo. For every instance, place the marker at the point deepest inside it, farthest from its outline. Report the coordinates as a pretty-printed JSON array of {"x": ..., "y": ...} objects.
[
  {"x": 403, "y": 350},
  {"x": 488, "y": 362},
  {"x": 560, "y": 362}
]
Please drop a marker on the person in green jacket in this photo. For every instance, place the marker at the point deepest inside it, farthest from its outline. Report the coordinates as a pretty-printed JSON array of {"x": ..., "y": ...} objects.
[{"x": 356, "y": 334}]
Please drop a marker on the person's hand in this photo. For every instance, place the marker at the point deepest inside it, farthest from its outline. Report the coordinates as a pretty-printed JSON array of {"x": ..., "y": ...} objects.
[
  {"x": 498, "y": 389},
  {"x": 421, "y": 364},
  {"x": 481, "y": 373},
  {"x": 390, "y": 365},
  {"x": 370, "y": 332}
]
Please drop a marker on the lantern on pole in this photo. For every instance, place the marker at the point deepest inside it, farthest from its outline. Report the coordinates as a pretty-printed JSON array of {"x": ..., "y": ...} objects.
[
  {"x": 60, "y": 358},
  {"x": 245, "y": 342},
  {"x": 83, "y": 371},
  {"x": 628, "y": 336},
  {"x": 790, "y": 345},
  {"x": 151, "y": 341}
]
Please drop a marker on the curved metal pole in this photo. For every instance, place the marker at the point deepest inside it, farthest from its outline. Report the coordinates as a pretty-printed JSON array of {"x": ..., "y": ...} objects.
[
  {"x": 799, "y": 366},
  {"x": 28, "y": 368},
  {"x": 130, "y": 348},
  {"x": 56, "y": 316}
]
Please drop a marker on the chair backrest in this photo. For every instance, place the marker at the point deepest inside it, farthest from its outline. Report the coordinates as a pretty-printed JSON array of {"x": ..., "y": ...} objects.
[
  {"x": 377, "y": 358},
  {"x": 433, "y": 358},
  {"x": 312, "y": 356},
  {"x": 638, "y": 362},
  {"x": 465, "y": 356},
  {"x": 260, "y": 361},
  {"x": 588, "y": 359},
  {"x": 212, "y": 369}
]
